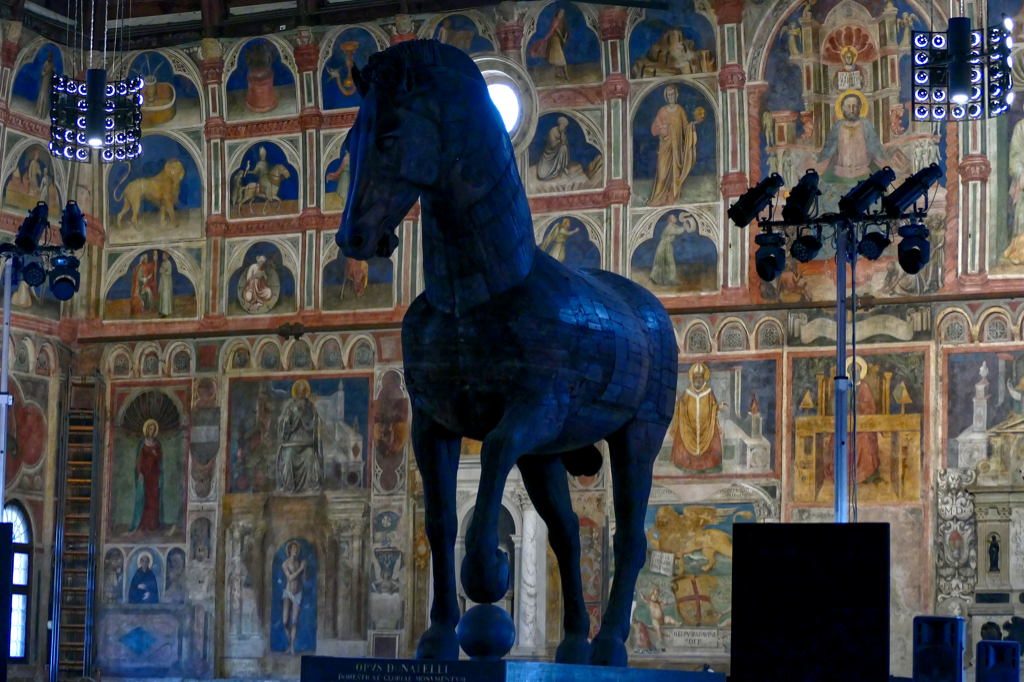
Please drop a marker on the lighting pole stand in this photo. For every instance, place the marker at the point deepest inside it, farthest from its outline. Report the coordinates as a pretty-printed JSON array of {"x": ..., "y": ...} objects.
[
  {"x": 840, "y": 461},
  {"x": 5, "y": 352}
]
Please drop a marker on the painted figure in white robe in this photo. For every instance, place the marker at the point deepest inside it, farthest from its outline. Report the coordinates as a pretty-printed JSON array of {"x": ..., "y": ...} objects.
[
  {"x": 852, "y": 149},
  {"x": 664, "y": 271},
  {"x": 554, "y": 161},
  {"x": 1015, "y": 252},
  {"x": 257, "y": 292},
  {"x": 165, "y": 287},
  {"x": 43, "y": 99},
  {"x": 300, "y": 456},
  {"x": 554, "y": 243}
]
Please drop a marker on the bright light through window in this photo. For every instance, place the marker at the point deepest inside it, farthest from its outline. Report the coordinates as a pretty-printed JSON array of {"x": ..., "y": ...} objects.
[{"x": 507, "y": 102}]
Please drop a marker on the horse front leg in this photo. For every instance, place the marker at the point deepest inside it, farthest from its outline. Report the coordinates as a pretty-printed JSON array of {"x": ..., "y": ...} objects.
[
  {"x": 524, "y": 427},
  {"x": 633, "y": 450},
  {"x": 437, "y": 457}
]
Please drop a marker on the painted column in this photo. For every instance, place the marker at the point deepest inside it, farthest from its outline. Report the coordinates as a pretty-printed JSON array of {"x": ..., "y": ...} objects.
[
  {"x": 510, "y": 31},
  {"x": 975, "y": 170},
  {"x": 307, "y": 56},
  {"x": 531, "y": 631},
  {"x": 756, "y": 96},
  {"x": 731, "y": 79},
  {"x": 615, "y": 91},
  {"x": 211, "y": 65}
]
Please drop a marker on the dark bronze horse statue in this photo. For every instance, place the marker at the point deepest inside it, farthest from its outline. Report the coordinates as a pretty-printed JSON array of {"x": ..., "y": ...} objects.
[{"x": 506, "y": 345}]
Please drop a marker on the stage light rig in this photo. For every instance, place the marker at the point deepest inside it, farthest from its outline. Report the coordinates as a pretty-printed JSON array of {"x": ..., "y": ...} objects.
[{"x": 857, "y": 229}]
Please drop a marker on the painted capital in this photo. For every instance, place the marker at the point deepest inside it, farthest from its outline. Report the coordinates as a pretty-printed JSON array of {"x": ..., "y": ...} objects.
[
  {"x": 975, "y": 168},
  {"x": 732, "y": 77},
  {"x": 216, "y": 225},
  {"x": 307, "y": 57},
  {"x": 616, "y": 192},
  {"x": 9, "y": 53},
  {"x": 613, "y": 24},
  {"x": 311, "y": 219},
  {"x": 729, "y": 11},
  {"x": 310, "y": 119},
  {"x": 616, "y": 86},
  {"x": 210, "y": 50},
  {"x": 215, "y": 128},
  {"x": 510, "y": 36},
  {"x": 212, "y": 70},
  {"x": 734, "y": 185}
]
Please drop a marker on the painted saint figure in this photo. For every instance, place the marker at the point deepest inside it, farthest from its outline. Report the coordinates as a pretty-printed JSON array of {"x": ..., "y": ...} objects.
[
  {"x": 867, "y": 441},
  {"x": 554, "y": 243},
  {"x": 257, "y": 293},
  {"x": 343, "y": 176},
  {"x": 696, "y": 433},
  {"x": 291, "y": 597},
  {"x": 149, "y": 474},
  {"x": 677, "y": 149},
  {"x": 144, "y": 285},
  {"x": 664, "y": 271},
  {"x": 165, "y": 305},
  {"x": 144, "y": 589},
  {"x": 552, "y": 46},
  {"x": 1015, "y": 251},
  {"x": 43, "y": 99},
  {"x": 993, "y": 554},
  {"x": 852, "y": 149},
  {"x": 554, "y": 161},
  {"x": 300, "y": 457}
]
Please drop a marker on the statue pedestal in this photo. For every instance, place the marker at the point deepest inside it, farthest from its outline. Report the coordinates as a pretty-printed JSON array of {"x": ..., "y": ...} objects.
[{"x": 322, "y": 669}]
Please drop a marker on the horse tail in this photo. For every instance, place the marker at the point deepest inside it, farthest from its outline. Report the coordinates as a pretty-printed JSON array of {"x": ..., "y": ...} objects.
[
  {"x": 118, "y": 198},
  {"x": 586, "y": 461}
]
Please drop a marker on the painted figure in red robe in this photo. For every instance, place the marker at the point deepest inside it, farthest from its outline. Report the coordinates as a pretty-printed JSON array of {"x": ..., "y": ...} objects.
[
  {"x": 867, "y": 442},
  {"x": 149, "y": 474},
  {"x": 144, "y": 285}
]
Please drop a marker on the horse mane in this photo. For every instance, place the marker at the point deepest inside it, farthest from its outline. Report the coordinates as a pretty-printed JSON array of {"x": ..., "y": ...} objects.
[{"x": 402, "y": 65}]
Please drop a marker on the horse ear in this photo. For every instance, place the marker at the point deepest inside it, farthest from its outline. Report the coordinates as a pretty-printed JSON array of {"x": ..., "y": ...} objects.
[{"x": 361, "y": 85}]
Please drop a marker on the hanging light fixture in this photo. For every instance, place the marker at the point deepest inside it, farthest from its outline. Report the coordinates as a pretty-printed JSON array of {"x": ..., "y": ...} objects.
[{"x": 96, "y": 113}]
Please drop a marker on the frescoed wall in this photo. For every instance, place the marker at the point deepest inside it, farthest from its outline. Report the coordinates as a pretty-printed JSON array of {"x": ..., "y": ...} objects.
[{"x": 260, "y": 495}]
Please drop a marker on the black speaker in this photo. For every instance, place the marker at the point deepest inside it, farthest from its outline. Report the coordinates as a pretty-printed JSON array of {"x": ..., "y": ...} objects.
[
  {"x": 6, "y": 577},
  {"x": 939, "y": 645},
  {"x": 810, "y": 602},
  {"x": 997, "y": 661}
]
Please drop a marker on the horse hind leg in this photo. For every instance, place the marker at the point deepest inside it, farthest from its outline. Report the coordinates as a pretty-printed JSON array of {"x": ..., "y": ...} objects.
[
  {"x": 437, "y": 457},
  {"x": 546, "y": 482},
  {"x": 633, "y": 450}
]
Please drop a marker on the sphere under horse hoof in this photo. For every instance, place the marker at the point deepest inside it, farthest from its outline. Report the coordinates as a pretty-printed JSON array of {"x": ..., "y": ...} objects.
[{"x": 486, "y": 632}]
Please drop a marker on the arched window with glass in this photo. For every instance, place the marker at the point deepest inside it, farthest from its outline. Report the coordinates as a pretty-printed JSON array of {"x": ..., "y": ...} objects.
[{"x": 15, "y": 515}]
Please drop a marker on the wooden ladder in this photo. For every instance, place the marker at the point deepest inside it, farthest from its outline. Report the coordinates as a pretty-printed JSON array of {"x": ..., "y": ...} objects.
[{"x": 78, "y": 494}]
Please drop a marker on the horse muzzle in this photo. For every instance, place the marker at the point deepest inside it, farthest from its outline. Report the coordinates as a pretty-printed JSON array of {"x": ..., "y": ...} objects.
[{"x": 387, "y": 245}]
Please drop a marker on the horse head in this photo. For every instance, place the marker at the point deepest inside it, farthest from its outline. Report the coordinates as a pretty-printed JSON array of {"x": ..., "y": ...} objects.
[{"x": 420, "y": 124}]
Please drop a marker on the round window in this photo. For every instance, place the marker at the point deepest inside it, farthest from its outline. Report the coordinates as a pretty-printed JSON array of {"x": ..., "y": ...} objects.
[{"x": 507, "y": 102}]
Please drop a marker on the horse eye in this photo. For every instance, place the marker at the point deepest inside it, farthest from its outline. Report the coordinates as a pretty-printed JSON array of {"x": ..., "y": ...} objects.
[{"x": 385, "y": 143}]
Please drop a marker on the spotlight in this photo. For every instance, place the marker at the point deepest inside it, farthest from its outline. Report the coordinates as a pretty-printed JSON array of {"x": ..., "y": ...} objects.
[
  {"x": 33, "y": 274},
  {"x": 1008, "y": 24},
  {"x": 72, "y": 227},
  {"x": 860, "y": 198},
  {"x": 959, "y": 41},
  {"x": 914, "y": 249},
  {"x": 912, "y": 189},
  {"x": 806, "y": 246},
  {"x": 872, "y": 244},
  {"x": 64, "y": 279},
  {"x": 96, "y": 88},
  {"x": 770, "y": 259},
  {"x": 801, "y": 199},
  {"x": 748, "y": 206},
  {"x": 32, "y": 229}
]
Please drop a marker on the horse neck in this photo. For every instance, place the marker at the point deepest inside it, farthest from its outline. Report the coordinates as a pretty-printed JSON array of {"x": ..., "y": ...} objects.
[{"x": 476, "y": 244}]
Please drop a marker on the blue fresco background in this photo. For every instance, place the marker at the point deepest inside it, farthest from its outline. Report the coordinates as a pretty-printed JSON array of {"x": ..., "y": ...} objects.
[{"x": 333, "y": 98}]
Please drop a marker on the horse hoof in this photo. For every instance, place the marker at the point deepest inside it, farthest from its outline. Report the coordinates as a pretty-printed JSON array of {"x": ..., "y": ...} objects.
[
  {"x": 438, "y": 643},
  {"x": 486, "y": 581},
  {"x": 574, "y": 649},
  {"x": 608, "y": 651}
]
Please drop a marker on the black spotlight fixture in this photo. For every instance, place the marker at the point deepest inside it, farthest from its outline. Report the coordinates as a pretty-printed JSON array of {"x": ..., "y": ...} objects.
[
  {"x": 912, "y": 189},
  {"x": 770, "y": 258},
  {"x": 34, "y": 274},
  {"x": 750, "y": 205},
  {"x": 860, "y": 198},
  {"x": 72, "y": 227},
  {"x": 958, "y": 36},
  {"x": 801, "y": 199},
  {"x": 914, "y": 249},
  {"x": 64, "y": 277},
  {"x": 873, "y": 244},
  {"x": 807, "y": 244},
  {"x": 32, "y": 228}
]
